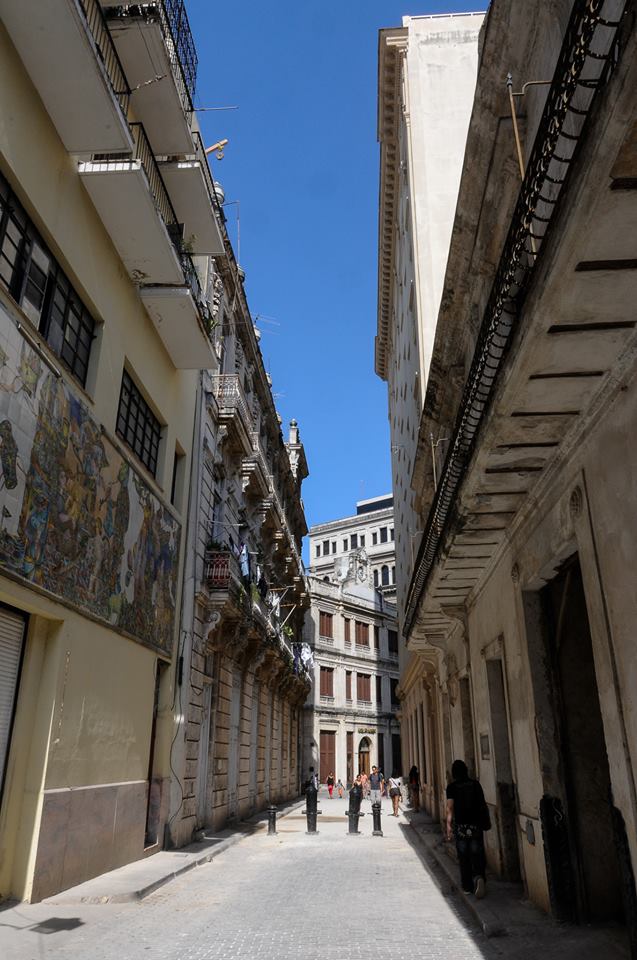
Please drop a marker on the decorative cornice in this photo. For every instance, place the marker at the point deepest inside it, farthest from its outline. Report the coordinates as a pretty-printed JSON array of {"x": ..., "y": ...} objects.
[{"x": 391, "y": 47}]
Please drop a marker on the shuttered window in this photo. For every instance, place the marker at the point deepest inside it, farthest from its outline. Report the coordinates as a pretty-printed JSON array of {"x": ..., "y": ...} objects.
[
  {"x": 363, "y": 687},
  {"x": 12, "y": 626},
  {"x": 361, "y": 634},
  {"x": 346, "y": 627},
  {"x": 327, "y": 682},
  {"x": 325, "y": 625},
  {"x": 348, "y": 684}
]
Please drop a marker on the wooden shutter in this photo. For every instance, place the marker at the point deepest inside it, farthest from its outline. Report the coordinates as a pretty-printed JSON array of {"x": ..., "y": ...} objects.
[
  {"x": 346, "y": 625},
  {"x": 362, "y": 634},
  {"x": 325, "y": 625},
  {"x": 348, "y": 684},
  {"x": 328, "y": 753},
  {"x": 12, "y": 627},
  {"x": 363, "y": 687},
  {"x": 327, "y": 682}
]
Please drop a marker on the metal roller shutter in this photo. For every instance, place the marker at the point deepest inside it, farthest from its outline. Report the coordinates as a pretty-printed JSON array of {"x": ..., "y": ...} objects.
[{"x": 12, "y": 626}]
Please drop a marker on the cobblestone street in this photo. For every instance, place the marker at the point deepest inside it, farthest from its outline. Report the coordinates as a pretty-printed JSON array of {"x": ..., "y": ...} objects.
[{"x": 330, "y": 896}]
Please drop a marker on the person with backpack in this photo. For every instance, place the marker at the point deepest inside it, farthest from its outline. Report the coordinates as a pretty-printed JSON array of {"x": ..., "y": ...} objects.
[
  {"x": 467, "y": 819},
  {"x": 375, "y": 785}
]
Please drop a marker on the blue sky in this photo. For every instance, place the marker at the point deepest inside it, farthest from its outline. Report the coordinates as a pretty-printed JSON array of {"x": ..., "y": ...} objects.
[{"x": 302, "y": 159}]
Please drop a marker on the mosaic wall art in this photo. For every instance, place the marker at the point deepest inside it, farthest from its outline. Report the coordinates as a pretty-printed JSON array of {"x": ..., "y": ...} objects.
[{"x": 75, "y": 517}]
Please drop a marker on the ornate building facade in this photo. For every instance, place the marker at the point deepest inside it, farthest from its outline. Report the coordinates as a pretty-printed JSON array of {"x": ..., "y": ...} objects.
[
  {"x": 350, "y": 716},
  {"x": 519, "y": 607}
]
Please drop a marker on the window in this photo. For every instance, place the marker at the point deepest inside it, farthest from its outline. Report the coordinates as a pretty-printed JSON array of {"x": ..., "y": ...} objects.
[
  {"x": 318, "y": 549},
  {"x": 36, "y": 281},
  {"x": 376, "y": 637},
  {"x": 383, "y": 534},
  {"x": 327, "y": 682},
  {"x": 364, "y": 687},
  {"x": 345, "y": 544},
  {"x": 177, "y": 485},
  {"x": 137, "y": 425},
  {"x": 346, "y": 627},
  {"x": 375, "y": 578},
  {"x": 393, "y": 574},
  {"x": 361, "y": 635},
  {"x": 348, "y": 684},
  {"x": 392, "y": 639},
  {"x": 393, "y": 685},
  {"x": 379, "y": 691},
  {"x": 362, "y": 540},
  {"x": 354, "y": 541},
  {"x": 333, "y": 546},
  {"x": 374, "y": 538},
  {"x": 384, "y": 575},
  {"x": 391, "y": 533},
  {"x": 326, "y": 547},
  {"x": 325, "y": 625}
]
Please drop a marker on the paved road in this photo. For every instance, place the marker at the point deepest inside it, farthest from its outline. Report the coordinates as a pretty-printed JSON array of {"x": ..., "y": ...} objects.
[{"x": 328, "y": 897}]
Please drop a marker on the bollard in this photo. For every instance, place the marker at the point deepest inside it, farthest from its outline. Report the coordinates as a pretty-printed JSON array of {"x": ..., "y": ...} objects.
[
  {"x": 376, "y": 808},
  {"x": 311, "y": 802},
  {"x": 271, "y": 821},
  {"x": 354, "y": 811}
]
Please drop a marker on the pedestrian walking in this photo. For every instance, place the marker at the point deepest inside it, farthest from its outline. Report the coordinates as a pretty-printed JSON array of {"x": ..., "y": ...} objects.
[
  {"x": 394, "y": 792},
  {"x": 414, "y": 788},
  {"x": 340, "y": 789},
  {"x": 375, "y": 785},
  {"x": 467, "y": 819},
  {"x": 330, "y": 784},
  {"x": 364, "y": 784}
]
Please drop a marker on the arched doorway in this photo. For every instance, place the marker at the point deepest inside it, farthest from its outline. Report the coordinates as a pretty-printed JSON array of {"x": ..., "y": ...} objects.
[{"x": 364, "y": 750}]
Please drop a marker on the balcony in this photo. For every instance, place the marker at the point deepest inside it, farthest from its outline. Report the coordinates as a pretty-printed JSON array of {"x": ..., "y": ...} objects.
[
  {"x": 254, "y": 469},
  {"x": 70, "y": 58},
  {"x": 234, "y": 412},
  {"x": 191, "y": 188},
  {"x": 156, "y": 48},
  {"x": 130, "y": 196},
  {"x": 181, "y": 319}
]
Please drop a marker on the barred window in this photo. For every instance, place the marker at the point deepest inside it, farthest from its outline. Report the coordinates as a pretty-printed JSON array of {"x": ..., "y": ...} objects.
[
  {"x": 137, "y": 425},
  {"x": 37, "y": 282}
]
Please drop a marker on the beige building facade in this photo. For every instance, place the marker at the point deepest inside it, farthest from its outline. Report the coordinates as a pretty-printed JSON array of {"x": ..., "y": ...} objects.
[
  {"x": 519, "y": 606},
  {"x": 103, "y": 326}
]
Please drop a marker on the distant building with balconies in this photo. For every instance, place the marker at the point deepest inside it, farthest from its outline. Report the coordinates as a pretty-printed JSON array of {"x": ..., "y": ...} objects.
[{"x": 350, "y": 715}]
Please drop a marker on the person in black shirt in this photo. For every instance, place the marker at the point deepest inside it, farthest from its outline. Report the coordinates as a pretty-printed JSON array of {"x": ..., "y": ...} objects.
[{"x": 467, "y": 817}]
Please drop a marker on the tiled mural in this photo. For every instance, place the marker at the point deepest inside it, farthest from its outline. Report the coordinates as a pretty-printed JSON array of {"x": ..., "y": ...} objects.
[{"x": 75, "y": 518}]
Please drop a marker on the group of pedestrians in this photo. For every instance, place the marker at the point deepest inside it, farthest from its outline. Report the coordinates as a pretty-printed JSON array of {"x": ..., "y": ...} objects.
[{"x": 372, "y": 787}]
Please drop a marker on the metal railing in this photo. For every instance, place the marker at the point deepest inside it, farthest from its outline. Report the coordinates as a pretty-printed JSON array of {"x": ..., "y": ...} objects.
[
  {"x": 230, "y": 396},
  {"x": 180, "y": 45},
  {"x": 589, "y": 52},
  {"x": 221, "y": 569},
  {"x": 142, "y": 151},
  {"x": 108, "y": 54}
]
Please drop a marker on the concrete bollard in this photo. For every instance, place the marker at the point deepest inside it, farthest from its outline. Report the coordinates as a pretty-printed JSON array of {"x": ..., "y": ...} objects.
[
  {"x": 376, "y": 810},
  {"x": 311, "y": 805}
]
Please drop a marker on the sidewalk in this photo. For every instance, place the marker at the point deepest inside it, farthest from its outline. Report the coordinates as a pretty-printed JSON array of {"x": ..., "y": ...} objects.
[
  {"x": 137, "y": 880},
  {"x": 504, "y": 911}
]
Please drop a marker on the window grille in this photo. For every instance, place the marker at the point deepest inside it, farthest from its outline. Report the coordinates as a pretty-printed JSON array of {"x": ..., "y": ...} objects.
[{"x": 137, "y": 425}]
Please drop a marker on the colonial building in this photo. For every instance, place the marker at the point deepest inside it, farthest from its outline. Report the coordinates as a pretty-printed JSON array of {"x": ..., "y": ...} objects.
[
  {"x": 350, "y": 721},
  {"x": 370, "y": 530},
  {"x": 521, "y": 602},
  {"x": 103, "y": 326},
  {"x": 245, "y": 596}
]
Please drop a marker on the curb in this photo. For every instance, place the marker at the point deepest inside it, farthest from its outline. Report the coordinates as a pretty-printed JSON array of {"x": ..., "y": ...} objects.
[
  {"x": 490, "y": 923},
  {"x": 250, "y": 826}
]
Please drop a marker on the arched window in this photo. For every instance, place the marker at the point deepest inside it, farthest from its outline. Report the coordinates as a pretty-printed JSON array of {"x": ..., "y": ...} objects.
[
  {"x": 384, "y": 573},
  {"x": 375, "y": 578}
]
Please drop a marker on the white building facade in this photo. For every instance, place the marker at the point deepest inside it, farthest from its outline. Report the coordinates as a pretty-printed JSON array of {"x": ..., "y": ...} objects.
[{"x": 350, "y": 715}]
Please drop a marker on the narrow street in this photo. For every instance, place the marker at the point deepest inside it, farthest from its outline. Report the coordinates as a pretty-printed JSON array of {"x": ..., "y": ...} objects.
[{"x": 327, "y": 896}]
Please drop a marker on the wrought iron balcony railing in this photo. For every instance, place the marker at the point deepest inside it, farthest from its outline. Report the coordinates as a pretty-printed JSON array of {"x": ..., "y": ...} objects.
[
  {"x": 230, "y": 396},
  {"x": 180, "y": 46},
  {"x": 142, "y": 151},
  {"x": 106, "y": 49}
]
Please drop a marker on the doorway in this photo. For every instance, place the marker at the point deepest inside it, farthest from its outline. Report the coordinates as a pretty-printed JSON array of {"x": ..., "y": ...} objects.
[
  {"x": 505, "y": 787},
  {"x": 591, "y": 887},
  {"x": 364, "y": 749}
]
